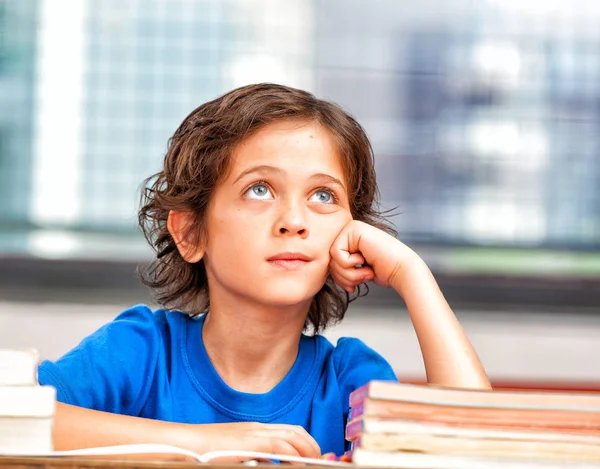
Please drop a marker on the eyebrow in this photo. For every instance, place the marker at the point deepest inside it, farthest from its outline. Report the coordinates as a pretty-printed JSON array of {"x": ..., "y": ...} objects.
[
  {"x": 265, "y": 169},
  {"x": 330, "y": 179}
]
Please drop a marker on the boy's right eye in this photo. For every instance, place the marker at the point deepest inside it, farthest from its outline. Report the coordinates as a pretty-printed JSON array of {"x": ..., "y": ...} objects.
[{"x": 259, "y": 191}]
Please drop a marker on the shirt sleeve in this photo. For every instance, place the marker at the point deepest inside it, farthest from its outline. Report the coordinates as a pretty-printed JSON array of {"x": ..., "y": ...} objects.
[
  {"x": 112, "y": 369},
  {"x": 356, "y": 364}
]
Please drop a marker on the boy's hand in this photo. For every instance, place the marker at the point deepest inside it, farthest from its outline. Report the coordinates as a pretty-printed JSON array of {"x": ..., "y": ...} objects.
[
  {"x": 380, "y": 255},
  {"x": 252, "y": 436}
]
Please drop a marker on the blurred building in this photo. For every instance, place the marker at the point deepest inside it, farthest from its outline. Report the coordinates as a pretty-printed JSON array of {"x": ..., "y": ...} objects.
[
  {"x": 110, "y": 81},
  {"x": 484, "y": 116},
  {"x": 18, "y": 47}
]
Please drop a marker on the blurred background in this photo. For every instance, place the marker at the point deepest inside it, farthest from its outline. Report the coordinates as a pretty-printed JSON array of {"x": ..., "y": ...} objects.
[{"x": 484, "y": 116}]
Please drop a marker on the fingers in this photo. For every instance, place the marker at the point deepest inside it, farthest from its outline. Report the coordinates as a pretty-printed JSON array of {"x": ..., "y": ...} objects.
[
  {"x": 348, "y": 266},
  {"x": 290, "y": 440},
  {"x": 260, "y": 444},
  {"x": 349, "y": 262},
  {"x": 277, "y": 445},
  {"x": 349, "y": 278},
  {"x": 340, "y": 252},
  {"x": 296, "y": 436}
]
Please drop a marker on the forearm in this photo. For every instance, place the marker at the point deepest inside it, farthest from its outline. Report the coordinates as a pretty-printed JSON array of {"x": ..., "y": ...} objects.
[
  {"x": 76, "y": 428},
  {"x": 449, "y": 357}
]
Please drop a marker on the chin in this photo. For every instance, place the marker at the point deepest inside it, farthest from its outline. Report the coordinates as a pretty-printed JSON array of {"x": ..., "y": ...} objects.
[{"x": 290, "y": 295}]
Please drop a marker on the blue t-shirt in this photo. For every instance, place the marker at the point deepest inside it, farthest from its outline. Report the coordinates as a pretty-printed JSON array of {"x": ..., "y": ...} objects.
[{"x": 154, "y": 365}]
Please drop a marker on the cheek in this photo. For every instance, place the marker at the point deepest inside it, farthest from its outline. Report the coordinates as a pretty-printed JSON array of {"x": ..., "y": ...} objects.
[
  {"x": 228, "y": 234},
  {"x": 335, "y": 224}
]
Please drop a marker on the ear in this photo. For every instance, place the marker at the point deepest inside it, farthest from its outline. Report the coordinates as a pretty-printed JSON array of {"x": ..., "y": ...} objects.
[{"x": 179, "y": 225}]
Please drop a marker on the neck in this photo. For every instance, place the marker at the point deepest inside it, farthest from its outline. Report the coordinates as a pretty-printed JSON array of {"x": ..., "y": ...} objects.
[{"x": 252, "y": 346}]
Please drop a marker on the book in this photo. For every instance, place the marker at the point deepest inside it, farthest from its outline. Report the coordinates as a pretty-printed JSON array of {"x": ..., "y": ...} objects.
[
  {"x": 162, "y": 452},
  {"x": 18, "y": 367},
  {"x": 443, "y": 461},
  {"x": 25, "y": 435},
  {"x": 27, "y": 401},
  {"x": 476, "y": 416},
  {"x": 394, "y": 391},
  {"x": 26, "y": 409},
  {"x": 376, "y": 425},
  {"x": 398, "y": 425},
  {"x": 530, "y": 448},
  {"x": 26, "y": 418}
]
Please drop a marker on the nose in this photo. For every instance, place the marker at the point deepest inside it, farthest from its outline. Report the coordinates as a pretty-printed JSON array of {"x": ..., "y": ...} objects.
[{"x": 292, "y": 220}]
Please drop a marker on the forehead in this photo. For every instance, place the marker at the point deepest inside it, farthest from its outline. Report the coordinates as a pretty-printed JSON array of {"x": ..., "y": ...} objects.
[{"x": 296, "y": 145}]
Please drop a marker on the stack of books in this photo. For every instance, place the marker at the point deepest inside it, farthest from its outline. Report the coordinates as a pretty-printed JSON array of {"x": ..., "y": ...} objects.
[
  {"x": 410, "y": 426},
  {"x": 26, "y": 409}
]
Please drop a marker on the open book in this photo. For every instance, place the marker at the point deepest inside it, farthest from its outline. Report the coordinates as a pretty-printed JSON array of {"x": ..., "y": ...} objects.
[{"x": 162, "y": 450}]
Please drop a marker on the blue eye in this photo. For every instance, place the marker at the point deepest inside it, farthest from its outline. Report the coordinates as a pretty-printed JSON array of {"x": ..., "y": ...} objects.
[
  {"x": 323, "y": 196},
  {"x": 259, "y": 191}
]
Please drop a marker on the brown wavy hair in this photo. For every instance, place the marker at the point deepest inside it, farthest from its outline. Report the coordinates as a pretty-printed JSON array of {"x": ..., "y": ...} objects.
[{"x": 198, "y": 159}]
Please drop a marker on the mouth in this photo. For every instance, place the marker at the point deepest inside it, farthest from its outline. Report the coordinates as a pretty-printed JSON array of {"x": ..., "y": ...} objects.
[{"x": 289, "y": 260}]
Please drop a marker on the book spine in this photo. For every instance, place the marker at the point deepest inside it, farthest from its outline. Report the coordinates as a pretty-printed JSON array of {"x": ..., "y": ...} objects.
[
  {"x": 351, "y": 417},
  {"x": 354, "y": 429},
  {"x": 358, "y": 395},
  {"x": 357, "y": 411}
]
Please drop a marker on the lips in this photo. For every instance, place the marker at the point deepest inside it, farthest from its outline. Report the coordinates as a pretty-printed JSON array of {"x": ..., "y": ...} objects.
[
  {"x": 290, "y": 256},
  {"x": 289, "y": 260}
]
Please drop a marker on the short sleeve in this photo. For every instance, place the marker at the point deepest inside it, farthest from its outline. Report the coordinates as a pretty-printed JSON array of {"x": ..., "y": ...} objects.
[
  {"x": 356, "y": 364},
  {"x": 112, "y": 369}
]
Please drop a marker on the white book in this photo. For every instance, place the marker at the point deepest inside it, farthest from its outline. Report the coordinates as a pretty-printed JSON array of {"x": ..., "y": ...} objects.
[
  {"x": 157, "y": 449},
  {"x": 481, "y": 447},
  {"x": 18, "y": 367},
  {"x": 26, "y": 418},
  {"x": 27, "y": 401},
  {"x": 408, "y": 460},
  {"x": 381, "y": 426},
  {"x": 26, "y": 435},
  {"x": 479, "y": 398}
]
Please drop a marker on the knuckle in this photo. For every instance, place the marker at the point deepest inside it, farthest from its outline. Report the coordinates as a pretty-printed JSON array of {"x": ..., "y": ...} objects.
[
  {"x": 272, "y": 445},
  {"x": 299, "y": 429},
  {"x": 281, "y": 447}
]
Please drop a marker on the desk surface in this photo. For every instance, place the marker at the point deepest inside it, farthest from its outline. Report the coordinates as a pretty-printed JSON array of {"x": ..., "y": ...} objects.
[{"x": 9, "y": 462}]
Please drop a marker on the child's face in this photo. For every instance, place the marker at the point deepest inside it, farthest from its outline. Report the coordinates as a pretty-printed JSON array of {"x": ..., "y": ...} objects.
[{"x": 272, "y": 221}]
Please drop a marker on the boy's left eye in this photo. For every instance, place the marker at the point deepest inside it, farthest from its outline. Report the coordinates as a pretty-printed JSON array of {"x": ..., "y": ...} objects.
[{"x": 323, "y": 196}]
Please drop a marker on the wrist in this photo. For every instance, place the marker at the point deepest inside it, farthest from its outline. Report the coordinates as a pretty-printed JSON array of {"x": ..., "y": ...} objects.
[
  {"x": 409, "y": 268},
  {"x": 187, "y": 436}
]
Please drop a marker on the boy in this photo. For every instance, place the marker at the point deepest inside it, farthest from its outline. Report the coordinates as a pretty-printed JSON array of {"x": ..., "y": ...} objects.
[{"x": 264, "y": 219}]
